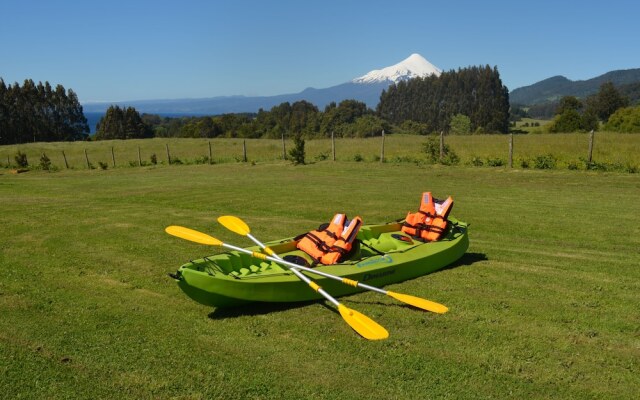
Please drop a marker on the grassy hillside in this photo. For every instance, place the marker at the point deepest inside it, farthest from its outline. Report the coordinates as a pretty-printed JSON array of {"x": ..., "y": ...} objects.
[
  {"x": 617, "y": 151},
  {"x": 544, "y": 304}
]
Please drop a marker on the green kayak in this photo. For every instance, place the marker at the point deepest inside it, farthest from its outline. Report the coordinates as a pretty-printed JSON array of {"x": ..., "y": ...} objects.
[{"x": 382, "y": 254}]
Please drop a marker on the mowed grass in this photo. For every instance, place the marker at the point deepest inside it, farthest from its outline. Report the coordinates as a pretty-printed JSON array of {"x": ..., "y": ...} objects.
[
  {"x": 610, "y": 148},
  {"x": 545, "y": 303}
]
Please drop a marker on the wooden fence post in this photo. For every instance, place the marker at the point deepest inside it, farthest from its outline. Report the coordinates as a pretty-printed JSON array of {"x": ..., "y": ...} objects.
[
  {"x": 333, "y": 145},
  {"x": 441, "y": 146},
  {"x": 168, "y": 154},
  {"x": 590, "y": 146},
  {"x": 66, "y": 164},
  {"x": 511, "y": 150},
  {"x": 244, "y": 150},
  {"x": 86, "y": 157},
  {"x": 382, "y": 149},
  {"x": 139, "y": 158},
  {"x": 210, "y": 153},
  {"x": 113, "y": 157},
  {"x": 284, "y": 150}
]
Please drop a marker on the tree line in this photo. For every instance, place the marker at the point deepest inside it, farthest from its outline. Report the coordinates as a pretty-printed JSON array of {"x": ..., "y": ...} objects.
[
  {"x": 40, "y": 113},
  {"x": 467, "y": 100},
  {"x": 349, "y": 118}
]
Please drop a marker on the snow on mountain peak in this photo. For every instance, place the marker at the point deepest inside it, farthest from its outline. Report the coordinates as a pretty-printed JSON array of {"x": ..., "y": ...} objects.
[{"x": 412, "y": 67}]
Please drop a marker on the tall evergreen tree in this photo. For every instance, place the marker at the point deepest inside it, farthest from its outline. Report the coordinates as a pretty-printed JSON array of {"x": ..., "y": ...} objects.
[
  {"x": 120, "y": 123},
  {"x": 31, "y": 113}
]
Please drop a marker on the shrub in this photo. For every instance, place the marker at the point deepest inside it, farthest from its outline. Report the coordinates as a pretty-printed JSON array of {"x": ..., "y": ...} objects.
[
  {"x": 322, "y": 156},
  {"x": 202, "y": 160},
  {"x": 477, "y": 162},
  {"x": 547, "y": 161},
  {"x": 154, "y": 159},
  {"x": 103, "y": 165},
  {"x": 432, "y": 149},
  {"x": 21, "y": 160},
  {"x": 358, "y": 157},
  {"x": 45, "y": 162},
  {"x": 495, "y": 162}
]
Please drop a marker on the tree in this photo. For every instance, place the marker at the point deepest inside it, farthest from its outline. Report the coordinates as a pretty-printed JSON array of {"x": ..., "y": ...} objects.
[
  {"x": 568, "y": 121},
  {"x": 120, "y": 123},
  {"x": 568, "y": 103},
  {"x": 297, "y": 152},
  {"x": 460, "y": 124},
  {"x": 607, "y": 101},
  {"x": 569, "y": 117},
  {"x": 626, "y": 120}
]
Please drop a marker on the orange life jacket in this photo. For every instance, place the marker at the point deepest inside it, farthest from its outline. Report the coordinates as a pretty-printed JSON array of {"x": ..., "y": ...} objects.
[
  {"x": 430, "y": 222},
  {"x": 329, "y": 245}
]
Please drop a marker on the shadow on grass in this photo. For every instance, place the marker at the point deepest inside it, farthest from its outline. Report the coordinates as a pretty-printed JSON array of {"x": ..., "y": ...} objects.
[
  {"x": 466, "y": 259},
  {"x": 257, "y": 308}
]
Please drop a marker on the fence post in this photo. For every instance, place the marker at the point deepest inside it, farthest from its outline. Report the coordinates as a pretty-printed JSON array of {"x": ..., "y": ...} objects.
[
  {"x": 382, "y": 149},
  {"x": 86, "y": 157},
  {"x": 441, "y": 146},
  {"x": 210, "y": 153},
  {"x": 511, "y": 150},
  {"x": 113, "y": 157},
  {"x": 244, "y": 150},
  {"x": 139, "y": 158},
  {"x": 284, "y": 150},
  {"x": 590, "y": 146},
  {"x": 168, "y": 154},
  {"x": 333, "y": 145},
  {"x": 66, "y": 164}
]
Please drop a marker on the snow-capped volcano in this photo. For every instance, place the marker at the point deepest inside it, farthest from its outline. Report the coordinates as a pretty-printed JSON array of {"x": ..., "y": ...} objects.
[{"x": 413, "y": 67}]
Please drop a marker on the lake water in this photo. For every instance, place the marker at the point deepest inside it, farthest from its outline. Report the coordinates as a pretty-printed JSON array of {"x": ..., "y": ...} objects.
[{"x": 94, "y": 117}]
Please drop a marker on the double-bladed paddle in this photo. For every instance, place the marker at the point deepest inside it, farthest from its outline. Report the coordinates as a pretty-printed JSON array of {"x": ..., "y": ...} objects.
[
  {"x": 362, "y": 324},
  {"x": 238, "y": 226}
]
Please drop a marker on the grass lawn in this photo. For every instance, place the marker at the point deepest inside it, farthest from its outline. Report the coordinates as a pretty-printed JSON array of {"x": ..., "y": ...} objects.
[{"x": 545, "y": 303}]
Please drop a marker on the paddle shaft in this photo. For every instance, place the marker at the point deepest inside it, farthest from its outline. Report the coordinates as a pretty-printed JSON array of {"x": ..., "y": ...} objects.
[
  {"x": 292, "y": 267},
  {"x": 414, "y": 301},
  {"x": 313, "y": 271}
]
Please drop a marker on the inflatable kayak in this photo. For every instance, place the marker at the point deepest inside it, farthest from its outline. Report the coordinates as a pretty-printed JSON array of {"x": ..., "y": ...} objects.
[{"x": 381, "y": 255}]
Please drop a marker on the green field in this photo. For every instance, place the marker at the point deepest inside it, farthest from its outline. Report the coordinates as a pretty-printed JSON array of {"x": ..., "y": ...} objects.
[
  {"x": 614, "y": 151},
  {"x": 545, "y": 303}
]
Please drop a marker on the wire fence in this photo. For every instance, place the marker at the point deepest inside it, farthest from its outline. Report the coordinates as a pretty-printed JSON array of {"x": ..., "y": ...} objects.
[{"x": 592, "y": 151}]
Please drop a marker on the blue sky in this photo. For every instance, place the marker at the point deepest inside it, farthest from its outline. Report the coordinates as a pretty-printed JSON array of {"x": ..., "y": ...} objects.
[{"x": 131, "y": 50}]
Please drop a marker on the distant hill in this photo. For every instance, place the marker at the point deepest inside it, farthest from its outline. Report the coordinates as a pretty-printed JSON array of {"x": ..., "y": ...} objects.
[
  {"x": 367, "y": 93},
  {"x": 366, "y": 88},
  {"x": 554, "y": 88}
]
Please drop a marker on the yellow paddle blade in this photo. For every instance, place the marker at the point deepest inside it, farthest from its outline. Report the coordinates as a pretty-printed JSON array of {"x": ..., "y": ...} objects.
[
  {"x": 191, "y": 235},
  {"x": 365, "y": 326},
  {"x": 234, "y": 224},
  {"x": 420, "y": 303}
]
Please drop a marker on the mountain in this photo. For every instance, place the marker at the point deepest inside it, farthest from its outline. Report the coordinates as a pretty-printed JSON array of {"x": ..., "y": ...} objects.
[
  {"x": 554, "y": 88},
  {"x": 366, "y": 88},
  {"x": 413, "y": 67}
]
